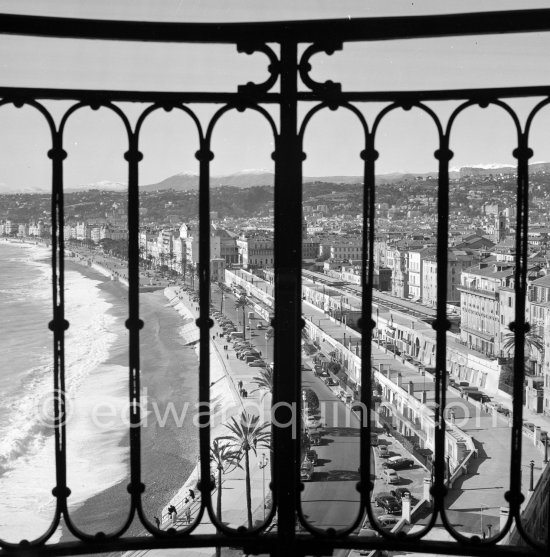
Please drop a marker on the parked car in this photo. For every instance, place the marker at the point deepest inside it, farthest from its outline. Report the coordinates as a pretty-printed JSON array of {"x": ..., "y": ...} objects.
[
  {"x": 400, "y": 492},
  {"x": 479, "y": 396},
  {"x": 367, "y": 531},
  {"x": 383, "y": 451},
  {"x": 388, "y": 502},
  {"x": 387, "y": 522},
  {"x": 313, "y": 422},
  {"x": 398, "y": 463},
  {"x": 257, "y": 363},
  {"x": 306, "y": 471},
  {"x": 529, "y": 425},
  {"x": 315, "y": 438},
  {"x": 504, "y": 410},
  {"x": 311, "y": 455},
  {"x": 331, "y": 382},
  {"x": 390, "y": 476},
  {"x": 259, "y": 326}
]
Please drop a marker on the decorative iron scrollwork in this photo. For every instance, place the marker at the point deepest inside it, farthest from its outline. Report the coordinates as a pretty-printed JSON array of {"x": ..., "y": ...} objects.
[
  {"x": 253, "y": 89},
  {"x": 328, "y": 88}
]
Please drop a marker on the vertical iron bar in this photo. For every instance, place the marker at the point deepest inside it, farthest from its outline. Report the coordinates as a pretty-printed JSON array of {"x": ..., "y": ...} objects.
[
  {"x": 441, "y": 323},
  {"x": 204, "y": 155},
  {"x": 369, "y": 155},
  {"x": 288, "y": 261},
  {"x": 134, "y": 323},
  {"x": 58, "y": 325},
  {"x": 519, "y": 327}
]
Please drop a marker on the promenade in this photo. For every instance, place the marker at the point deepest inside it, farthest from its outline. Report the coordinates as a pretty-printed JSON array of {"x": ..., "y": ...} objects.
[{"x": 234, "y": 512}]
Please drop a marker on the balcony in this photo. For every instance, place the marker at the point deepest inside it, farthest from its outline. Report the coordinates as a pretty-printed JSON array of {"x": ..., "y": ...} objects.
[
  {"x": 477, "y": 291},
  {"x": 289, "y": 90}
]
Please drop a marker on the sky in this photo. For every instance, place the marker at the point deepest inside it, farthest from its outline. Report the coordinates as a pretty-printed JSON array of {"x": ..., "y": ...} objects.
[{"x": 406, "y": 141}]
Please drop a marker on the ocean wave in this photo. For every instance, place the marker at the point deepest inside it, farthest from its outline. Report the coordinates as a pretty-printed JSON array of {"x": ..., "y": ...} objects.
[{"x": 87, "y": 342}]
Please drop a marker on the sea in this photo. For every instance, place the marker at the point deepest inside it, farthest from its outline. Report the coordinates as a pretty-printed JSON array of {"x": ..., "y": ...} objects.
[{"x": 97, "y": 398}]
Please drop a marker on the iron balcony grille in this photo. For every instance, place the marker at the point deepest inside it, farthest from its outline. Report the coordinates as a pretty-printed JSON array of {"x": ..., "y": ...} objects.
[{"x": 288, "y": 69}]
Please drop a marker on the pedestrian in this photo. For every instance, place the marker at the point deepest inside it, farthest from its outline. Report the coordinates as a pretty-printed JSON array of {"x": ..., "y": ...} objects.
[
  {"x": 157, "y": 521},
  {"x": 188, "y": 515},
  {"x": 467, "y": 397},
  {"x": 245, "y": 393},
  {"x": 227, "y": 356},
  {"x": 192, "y": 494},
  {"x": 240, "y": 385}
]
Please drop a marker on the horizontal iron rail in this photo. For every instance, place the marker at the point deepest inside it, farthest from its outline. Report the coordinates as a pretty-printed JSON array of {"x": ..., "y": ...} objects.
[
  {"x": 351, "y": 29},
  {"x": 170, "y": 97},
  {"x": 272, "y": 543}
]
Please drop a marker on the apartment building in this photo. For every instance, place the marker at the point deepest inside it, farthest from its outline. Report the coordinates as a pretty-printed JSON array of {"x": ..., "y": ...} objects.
[
  {"x": 479, "y": 304},
  {"x": 457, "y": 262},
  {"x": 255, "y": 250}
]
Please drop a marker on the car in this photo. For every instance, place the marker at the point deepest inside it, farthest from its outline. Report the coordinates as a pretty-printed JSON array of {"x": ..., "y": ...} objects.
[
  {"x": 390, "y": 476},
  {"x": 367, "y": 531},
  {"x": 257, "y": 363},
  {"x": 504, "y": 410},
  {"x": 400, "y": 492},
  {"x": 313, "y": 423},
  {"x": 387, "y": 521},
  {"x": 388, "y": 502},
  {"x": 260, "y": 326},
  {"x": 479, "y": 396},
  {"x": 312, "y": 456},
  {"x": 315, "y": 438},
  {"x": 306, "y": 471},
  {"x": 398, "y": 463},
  {"x": 494, "y": 406},
  {"x": 330, "y": 382},
  {"x": 528, "y": 425},
  {"x": 325, "y": 373},
  {"x": 383, "y": 451}
]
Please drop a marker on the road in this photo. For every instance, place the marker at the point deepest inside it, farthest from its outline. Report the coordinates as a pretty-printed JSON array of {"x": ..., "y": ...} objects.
[{"x": 336, "y": 475}]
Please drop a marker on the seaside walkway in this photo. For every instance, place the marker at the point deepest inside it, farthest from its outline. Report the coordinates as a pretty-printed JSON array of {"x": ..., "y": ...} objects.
[{"x": 234, "y": 512}]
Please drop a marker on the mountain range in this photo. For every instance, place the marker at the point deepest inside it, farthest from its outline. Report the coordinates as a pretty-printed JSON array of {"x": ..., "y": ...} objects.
[{"x": 186, "y": 181}]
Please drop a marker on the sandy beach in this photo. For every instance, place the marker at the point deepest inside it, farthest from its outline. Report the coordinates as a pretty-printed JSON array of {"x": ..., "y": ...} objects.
[{"x": 169, "y": 375}]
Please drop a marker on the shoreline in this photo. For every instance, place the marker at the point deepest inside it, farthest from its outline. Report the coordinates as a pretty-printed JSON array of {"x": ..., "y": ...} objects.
[
  {"x": 168, "y": 452},
  {"x": 170, "y": 464}
]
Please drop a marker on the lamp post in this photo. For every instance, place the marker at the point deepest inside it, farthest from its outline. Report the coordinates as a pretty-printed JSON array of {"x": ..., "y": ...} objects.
[
  {"x": 532, "y": 466},
  {"x": 262, "y": 464},
  {"x": 481, "y": 516},
  {"x": 448, "y": 457}
]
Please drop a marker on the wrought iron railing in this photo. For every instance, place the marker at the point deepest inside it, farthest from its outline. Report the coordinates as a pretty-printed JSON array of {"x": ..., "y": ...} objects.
[{"x": 286, "y": 68}]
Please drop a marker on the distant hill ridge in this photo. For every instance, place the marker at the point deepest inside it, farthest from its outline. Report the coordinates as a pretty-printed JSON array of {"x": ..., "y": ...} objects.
[{"x": 249, "y": 178}]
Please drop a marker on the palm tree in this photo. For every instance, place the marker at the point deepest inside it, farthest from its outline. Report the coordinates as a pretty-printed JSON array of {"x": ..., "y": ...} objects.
[
  {"x": 264, "y": 381},
  {"x": 533, "y": 343},
  {"x": 242, "y": 303},
  {"x": 247, "y": 434},
  {"x": 225, "y": 459}
]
